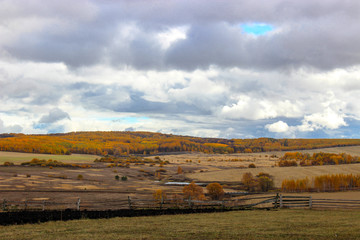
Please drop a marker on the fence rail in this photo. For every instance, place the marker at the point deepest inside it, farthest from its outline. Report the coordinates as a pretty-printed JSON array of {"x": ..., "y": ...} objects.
[{"x": 243, "y": 202}]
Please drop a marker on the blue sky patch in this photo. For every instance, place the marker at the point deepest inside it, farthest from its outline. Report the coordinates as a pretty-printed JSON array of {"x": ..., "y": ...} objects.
[
  {"x": 125, "y": 119},
  {"x": 257, "y": 28}
]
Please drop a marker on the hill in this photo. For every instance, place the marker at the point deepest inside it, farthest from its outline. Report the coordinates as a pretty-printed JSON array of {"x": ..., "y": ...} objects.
[{"x": 124, "y": 143}]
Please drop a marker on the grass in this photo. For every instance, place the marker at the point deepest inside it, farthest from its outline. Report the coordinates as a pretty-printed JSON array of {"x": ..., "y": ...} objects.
[
  {"x": 283, "y": 224},
  {"x": 279, "y": 173},
  {"x": 18, "y": 158}
]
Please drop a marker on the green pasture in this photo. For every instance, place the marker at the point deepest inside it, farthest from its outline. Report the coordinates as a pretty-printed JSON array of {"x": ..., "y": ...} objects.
[
  {"x": 259, "y": 224},
  {"x": 18, "y": 158}
]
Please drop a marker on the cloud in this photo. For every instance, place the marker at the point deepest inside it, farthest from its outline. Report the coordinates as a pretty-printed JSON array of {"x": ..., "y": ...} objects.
[
  {"x": 328, "y": 119},
  {"x": 10, "y": 129},
  {"x": 197, "y": 35},
  {"x": 187, "y": 66},
  {"x": 249, "y": 107},
  {"x": 54, "y": 115},
  {"x": 278, "y": 127}
]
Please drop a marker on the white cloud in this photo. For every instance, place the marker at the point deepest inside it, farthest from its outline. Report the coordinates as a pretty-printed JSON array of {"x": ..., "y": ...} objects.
[
  {"x": 9, "y": 128},
  {"x": 278, "y": 127},
  {"x": 167, "y": 38},
  {"x": 328, "y": 119},
  {"x": 251, "y": 108}
]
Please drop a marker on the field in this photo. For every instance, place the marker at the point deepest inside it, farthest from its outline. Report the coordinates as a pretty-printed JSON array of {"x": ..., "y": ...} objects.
[
  {"x": 18, "y": 158},
  {"x": 282, "y": 224},
  {"x": 98, "y": 183},
  {"x": 235, "y": 175}
]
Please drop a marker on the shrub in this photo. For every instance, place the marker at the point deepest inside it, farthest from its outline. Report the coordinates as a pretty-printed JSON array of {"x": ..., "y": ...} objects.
[
  {"x": 117, "y": 177},
  {"x": 249, "y": 182},
  {"x": 193, "y": 191},
  {"x": 159, "y": 195},
  {"x": 124, "y": 178},
  {"x": 251, "y": 165},
  {"x": 287, "y": 163},
  {"x": 80, "y": 177},
  {"x": 8, "y": 164},
  {"x": 265, "y": 183},
  {"x": 215, "y": 191},
  {"x": 28, "y": 175},
  {"x": 179, "y": 170}
]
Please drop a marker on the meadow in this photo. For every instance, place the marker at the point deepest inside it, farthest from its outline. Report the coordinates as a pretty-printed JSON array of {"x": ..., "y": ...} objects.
[
  {"x": 18, "y": 158},
  {"x": 256, "y": 224},
  {"x": 68, "y": 184}
]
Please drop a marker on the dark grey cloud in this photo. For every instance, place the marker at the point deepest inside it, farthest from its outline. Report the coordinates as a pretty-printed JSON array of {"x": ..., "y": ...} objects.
[
  {"x": 319, "y": 34},
  {"x": 54, "y": 115},
  {"x": 125, "y": 99}
]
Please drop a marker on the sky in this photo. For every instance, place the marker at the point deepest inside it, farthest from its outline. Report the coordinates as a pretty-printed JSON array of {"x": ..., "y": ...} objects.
[{"x": 208, "y": 68}]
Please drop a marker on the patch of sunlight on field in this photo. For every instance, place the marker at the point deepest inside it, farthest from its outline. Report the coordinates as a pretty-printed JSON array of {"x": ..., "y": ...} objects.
[{"x": 18, "y": 158}]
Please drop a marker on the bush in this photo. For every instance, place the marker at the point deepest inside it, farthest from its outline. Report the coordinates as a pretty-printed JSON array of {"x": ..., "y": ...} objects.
[
  {"x": 159, "y": 195},
  {"x": 193, "y": 191},
  {"x": 287, "y": 163},
  {"x": 124, "y": 178},
  {"x": 252, "y": 165},
  {"x": 80, "y": 177},
  {"x": 117, "y": 177},
  {"x": 8, "y": 164},
  {"x": 215, "y": 191}
]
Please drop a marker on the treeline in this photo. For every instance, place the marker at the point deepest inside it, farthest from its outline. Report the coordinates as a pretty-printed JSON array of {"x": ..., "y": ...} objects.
[
  {"x": 125, "y": 143},
  {"x": 53, "y": 163},
  {"x": 323, "y": 183},
  {"x": 316, "y": 159}
]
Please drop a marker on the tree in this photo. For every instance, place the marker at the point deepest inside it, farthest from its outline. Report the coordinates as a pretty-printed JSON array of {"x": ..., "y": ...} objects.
[
  {"x": 215, "y": 191},
  {"x": 247, "y": 180},
  {"x": 265, "y": 183},
  {"x": 179, "y": 170},
  {"x": 193, "y": 191},
  {"x": 159, "y": 195}
]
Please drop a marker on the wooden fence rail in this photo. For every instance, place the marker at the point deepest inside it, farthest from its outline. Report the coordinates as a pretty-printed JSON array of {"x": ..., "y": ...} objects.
[{"x": 277, "y": 201}]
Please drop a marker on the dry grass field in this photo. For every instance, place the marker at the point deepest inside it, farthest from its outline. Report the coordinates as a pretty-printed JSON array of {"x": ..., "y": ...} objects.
[
  {"x": 279, "y": 173},
  {"x": 282, "y": 224},
  {"x": 98, "y": 183},
  {"x": 18, "y": 158}
]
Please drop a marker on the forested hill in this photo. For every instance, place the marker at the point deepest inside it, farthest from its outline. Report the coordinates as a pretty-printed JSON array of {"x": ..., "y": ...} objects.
[{"x": 123, "y": 143}]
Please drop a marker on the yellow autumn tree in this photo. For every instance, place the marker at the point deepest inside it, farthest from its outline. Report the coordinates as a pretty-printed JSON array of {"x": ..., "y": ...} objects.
[
  {"x": 159, "y": 195},
  {"x": 215, "y": 191},
  {"x": 193, "y": 191}
]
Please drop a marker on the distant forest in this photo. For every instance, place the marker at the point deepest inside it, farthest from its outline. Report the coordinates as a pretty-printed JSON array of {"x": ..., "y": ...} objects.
[{"x": 125, "y": 143}]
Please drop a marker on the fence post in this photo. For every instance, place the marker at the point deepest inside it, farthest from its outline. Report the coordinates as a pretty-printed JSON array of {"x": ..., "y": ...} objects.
[
  {"x": 310, "y": 202},
  {"x": 276, "y": 203},
  {"x": 43, "y": 205},
  {"x": 190, "y": 202},
  {"x": 78, "y": 204},
  {"x": 129, "y": 201},
  {"x": 281, "y": 201},
  {"x": 223, "y": 203},
  {"x": 161, "y": 202},
  {"x": 25, "y": 205},
  {"x": 4, "y": 205}
]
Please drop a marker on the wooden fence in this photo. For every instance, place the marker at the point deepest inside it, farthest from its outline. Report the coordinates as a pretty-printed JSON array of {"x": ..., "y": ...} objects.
[{"x": 243, "y": 202}]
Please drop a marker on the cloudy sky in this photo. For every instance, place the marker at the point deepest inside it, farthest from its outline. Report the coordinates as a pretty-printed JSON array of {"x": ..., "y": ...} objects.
[{"x": 233, "y": 69}]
